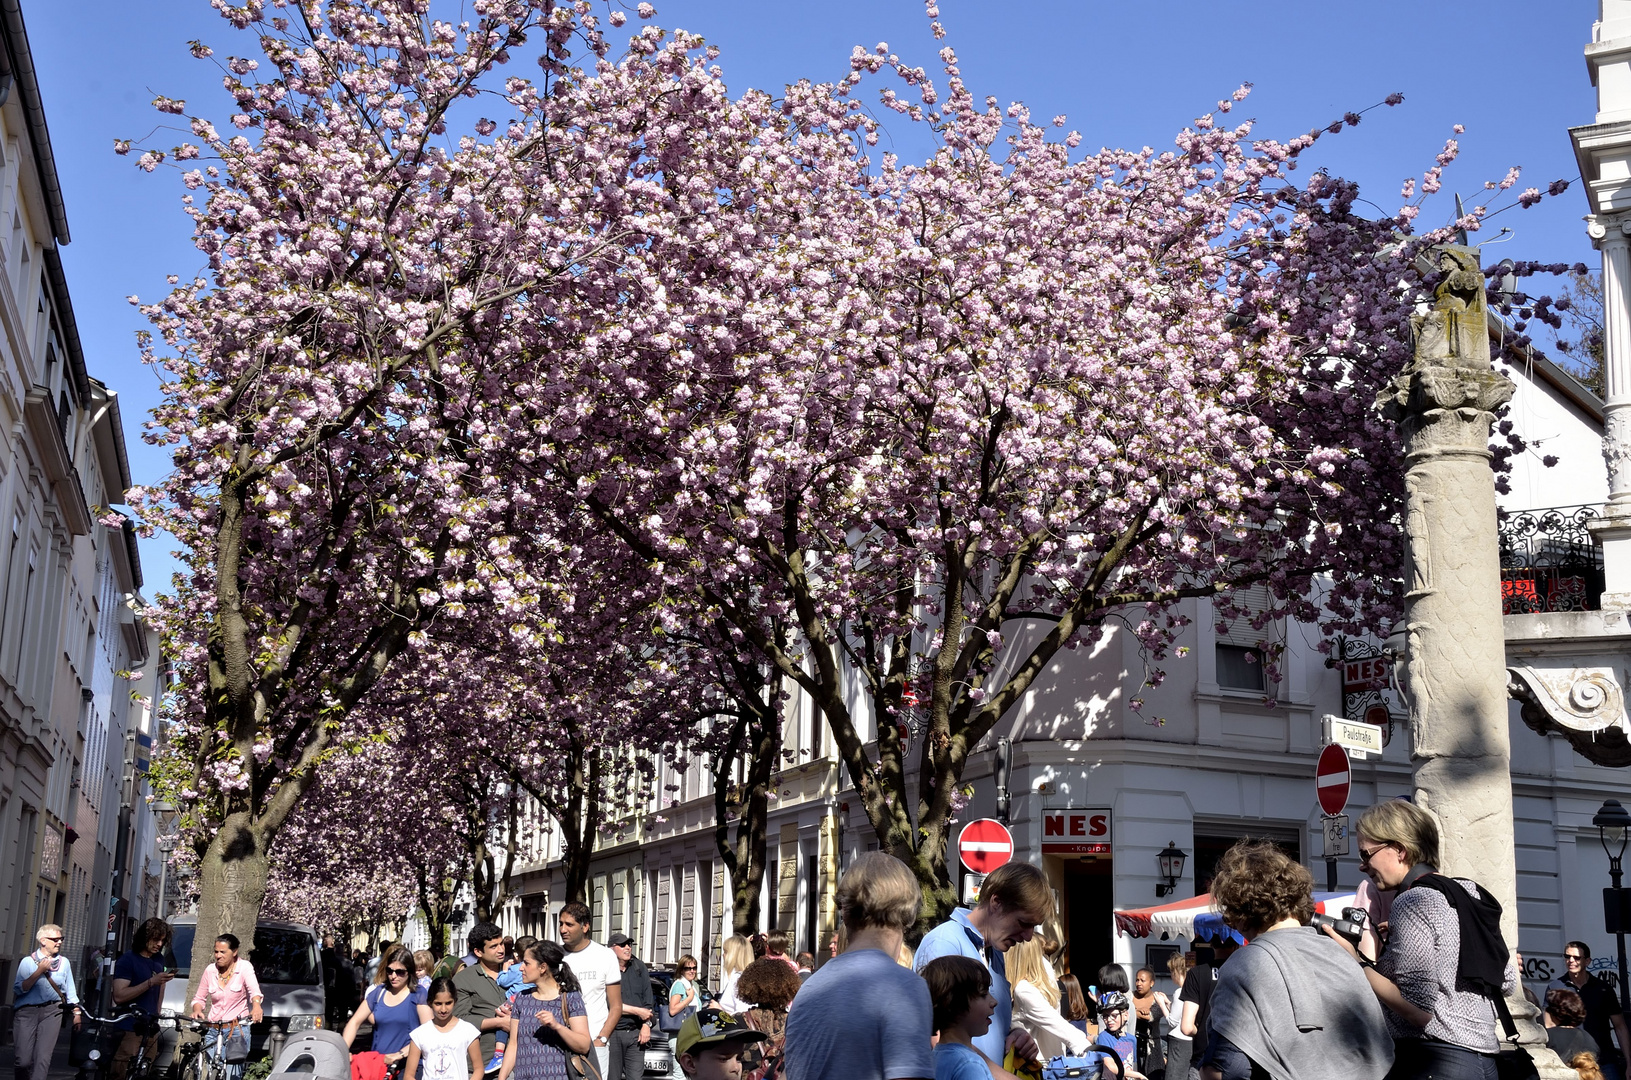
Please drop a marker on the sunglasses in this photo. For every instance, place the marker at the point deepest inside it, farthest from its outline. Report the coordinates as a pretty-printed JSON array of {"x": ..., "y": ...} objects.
[
  {"x": 1366, "y": 856},
  {"x": 52, "y": 939},
  {"x": 397, "y": 971}
]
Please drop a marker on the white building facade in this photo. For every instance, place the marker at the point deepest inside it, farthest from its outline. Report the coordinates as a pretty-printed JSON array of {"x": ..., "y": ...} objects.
[{"x": 68, "y": 570}]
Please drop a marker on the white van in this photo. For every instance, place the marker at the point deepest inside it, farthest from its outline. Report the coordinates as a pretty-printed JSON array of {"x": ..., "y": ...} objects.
[{"x": 286, "y": 964}]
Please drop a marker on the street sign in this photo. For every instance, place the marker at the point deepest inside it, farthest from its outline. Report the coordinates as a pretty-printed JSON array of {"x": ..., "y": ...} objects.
[
  {"x": 1332, "y": 779},
  {"x": 1336, "y": 835},
  {"x": 971, "y": 889},
  {"x": 1361, "y": 739},
  {"x": 984, "y": 844}
]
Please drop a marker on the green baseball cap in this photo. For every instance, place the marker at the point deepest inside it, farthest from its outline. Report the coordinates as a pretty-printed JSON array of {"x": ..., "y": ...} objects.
[{"x": 712, "y": 1026}]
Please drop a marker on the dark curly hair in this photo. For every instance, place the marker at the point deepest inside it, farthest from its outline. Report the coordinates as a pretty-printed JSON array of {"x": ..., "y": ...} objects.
[
  {"x": 768, "y": 983},
  {"x": 1257, "y": 885},
  {"x": 1568, "y": 1009}
]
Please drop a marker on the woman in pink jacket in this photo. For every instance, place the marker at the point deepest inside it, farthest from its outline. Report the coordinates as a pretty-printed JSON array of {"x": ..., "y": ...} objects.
[{"x": 227, "y": 991}]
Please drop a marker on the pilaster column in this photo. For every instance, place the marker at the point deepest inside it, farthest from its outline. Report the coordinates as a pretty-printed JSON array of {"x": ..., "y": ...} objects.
[
  {"x": 1613, "y": 529},
  {"x": 1455, "y": 676}
]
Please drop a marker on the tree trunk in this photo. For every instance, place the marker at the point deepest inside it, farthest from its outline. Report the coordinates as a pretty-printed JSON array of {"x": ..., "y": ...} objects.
[
  {"x": 232, "y": 883},
  {"x": 747, "y": 884},
  {"x": 577, "y": 812},
  {"x": 745, "y": 859},
  {"x": 436, "y": 888}
]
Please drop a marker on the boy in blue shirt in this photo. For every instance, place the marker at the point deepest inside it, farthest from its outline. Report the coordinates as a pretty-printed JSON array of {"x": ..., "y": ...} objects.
[
  {"x": 1117, "y": 1035},
  {"x": 960, "y": 991}
]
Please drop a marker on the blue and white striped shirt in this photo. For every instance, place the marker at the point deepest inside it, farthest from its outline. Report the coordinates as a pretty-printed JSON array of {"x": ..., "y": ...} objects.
[{"x": 41, "y": 993}]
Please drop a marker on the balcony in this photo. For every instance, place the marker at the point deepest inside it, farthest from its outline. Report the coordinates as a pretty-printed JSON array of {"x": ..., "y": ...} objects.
[{"x": 1549, "y": 561}]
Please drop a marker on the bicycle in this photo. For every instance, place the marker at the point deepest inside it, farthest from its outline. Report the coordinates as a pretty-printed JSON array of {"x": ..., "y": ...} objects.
[
  {"x": 199, "y": 1064},
  {"x": 109, "y": 1035}
]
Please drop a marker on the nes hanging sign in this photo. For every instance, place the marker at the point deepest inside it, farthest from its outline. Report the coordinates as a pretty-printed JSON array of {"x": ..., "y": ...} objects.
[
  {"x": 1367, "y": 673},
  {"x": 1076, "y": 832}
]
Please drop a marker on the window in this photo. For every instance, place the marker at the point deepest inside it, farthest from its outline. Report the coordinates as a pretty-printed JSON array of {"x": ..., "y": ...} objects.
[
  {"x": 23, "y": 599},
  {"x": 12, "y": 546},
  {"x": 285, "y": 957},
  {"x": 1240, "y": 668},
  {"x": 1240, "y": 644},
  {"x": 1212, "y": 839}
]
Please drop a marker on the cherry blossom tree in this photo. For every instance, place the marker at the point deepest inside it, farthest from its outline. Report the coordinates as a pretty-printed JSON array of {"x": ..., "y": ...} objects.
[
  {"x": 948, "y": 419},
  {"x": 343, "y": 384}
]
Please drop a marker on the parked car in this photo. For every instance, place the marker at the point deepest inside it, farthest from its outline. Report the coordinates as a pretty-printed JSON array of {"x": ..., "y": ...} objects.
[
  {"x": 659, "y": 1057},
  {"x": 286, "y": 964}
]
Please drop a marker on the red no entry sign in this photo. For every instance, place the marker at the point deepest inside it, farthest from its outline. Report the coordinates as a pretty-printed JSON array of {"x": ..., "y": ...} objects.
[
  {"x": 1332, "y": 779},
  {"x": 984, "y": 845}
]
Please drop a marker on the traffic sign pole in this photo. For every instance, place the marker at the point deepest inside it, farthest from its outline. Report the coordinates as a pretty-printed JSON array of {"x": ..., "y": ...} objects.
[{"x": 1332, "y": 781}]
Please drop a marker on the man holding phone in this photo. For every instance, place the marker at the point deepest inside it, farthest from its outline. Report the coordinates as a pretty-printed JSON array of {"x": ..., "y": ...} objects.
[
  {"x": 44, "y": 984},
  {"x": 139, "y": 978}
]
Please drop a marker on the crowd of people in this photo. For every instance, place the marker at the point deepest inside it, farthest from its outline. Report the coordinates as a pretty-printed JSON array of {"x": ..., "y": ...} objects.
[{"x": 1421, "y": 993}]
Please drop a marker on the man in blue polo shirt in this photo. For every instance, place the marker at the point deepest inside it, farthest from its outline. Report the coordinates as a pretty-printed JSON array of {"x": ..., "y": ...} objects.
[
  {"x": 139, "y": 978},
  {"x": 1014, "y": 900}
]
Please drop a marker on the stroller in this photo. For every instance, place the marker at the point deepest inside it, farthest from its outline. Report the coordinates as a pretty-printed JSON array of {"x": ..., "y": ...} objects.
[{"x": 313, "y": 1055}]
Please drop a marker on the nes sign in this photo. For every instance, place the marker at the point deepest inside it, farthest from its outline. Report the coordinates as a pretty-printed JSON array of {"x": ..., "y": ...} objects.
[
  {"x": 1076, "y": 832},
  {"x": 1370, "y": 673}
]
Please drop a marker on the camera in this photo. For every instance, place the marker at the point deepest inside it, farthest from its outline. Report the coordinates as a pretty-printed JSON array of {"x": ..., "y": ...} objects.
[{"x": 1351, "y": 926}]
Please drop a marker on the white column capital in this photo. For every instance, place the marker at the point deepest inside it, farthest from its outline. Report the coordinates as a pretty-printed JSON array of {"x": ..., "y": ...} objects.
[{"x": 1612, "y": 230}]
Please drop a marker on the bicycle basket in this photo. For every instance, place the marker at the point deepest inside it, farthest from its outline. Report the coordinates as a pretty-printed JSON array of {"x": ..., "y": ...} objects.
[{"x": 1085, "y": 1066}]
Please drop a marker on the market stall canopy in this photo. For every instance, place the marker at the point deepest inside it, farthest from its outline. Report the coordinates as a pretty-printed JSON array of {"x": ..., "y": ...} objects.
[{"x": 1198, "y": 920}]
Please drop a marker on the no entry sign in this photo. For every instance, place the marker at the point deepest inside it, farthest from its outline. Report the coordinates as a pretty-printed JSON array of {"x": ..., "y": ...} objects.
[
  {"x": 984, "y": 845},
  {"x": 1332, "y": 779}
]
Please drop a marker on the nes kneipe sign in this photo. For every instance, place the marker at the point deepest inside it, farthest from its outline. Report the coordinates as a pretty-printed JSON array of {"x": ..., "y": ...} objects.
[{"x": 1076, "y": 832}]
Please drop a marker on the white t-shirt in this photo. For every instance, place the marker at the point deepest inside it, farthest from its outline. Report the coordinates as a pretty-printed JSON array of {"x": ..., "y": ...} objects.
[
  {"x": 596, "y": 968},
  {"x": 1175, "y": 1030},
  {"x": 444, "y": 1055},
  {"x": 728, "y": 999}
]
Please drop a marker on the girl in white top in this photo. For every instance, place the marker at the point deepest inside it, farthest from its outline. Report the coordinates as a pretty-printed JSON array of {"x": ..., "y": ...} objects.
[
  {"x": 447, "y": 1048},
  {"x": 1036, "y": 1002},
  {"x": 736, "y": 955}
]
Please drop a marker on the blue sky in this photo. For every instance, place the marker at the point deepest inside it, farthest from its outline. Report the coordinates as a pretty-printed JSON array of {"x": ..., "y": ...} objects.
[{"x": 1128, "y": 74}]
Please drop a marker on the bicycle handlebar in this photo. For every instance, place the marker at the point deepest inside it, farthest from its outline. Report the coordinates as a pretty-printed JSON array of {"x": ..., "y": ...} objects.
[
  {"x": 235, "y": 1021},
  {"x": 160, "y": 1017}
]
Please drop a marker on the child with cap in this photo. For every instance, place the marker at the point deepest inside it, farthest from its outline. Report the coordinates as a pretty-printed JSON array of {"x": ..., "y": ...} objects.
[
  {"x": 1113, "y": 1009},
  {"x": 710, "y": 1043}
]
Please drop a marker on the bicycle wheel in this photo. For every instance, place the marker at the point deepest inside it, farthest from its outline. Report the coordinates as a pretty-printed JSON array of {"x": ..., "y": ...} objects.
[{"x": 195, "y": 1066}]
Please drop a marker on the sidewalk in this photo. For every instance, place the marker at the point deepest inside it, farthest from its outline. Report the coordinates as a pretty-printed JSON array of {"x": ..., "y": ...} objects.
[{"x": 60, "y": 1069}]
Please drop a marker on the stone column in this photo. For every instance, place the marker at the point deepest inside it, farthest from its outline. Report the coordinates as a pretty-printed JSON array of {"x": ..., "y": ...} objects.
[
  {"x": 1613, "y": 529},
  {"x": 1455, "y": 675}
]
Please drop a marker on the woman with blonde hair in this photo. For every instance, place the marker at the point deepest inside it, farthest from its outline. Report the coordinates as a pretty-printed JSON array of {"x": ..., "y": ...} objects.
[
  {"x": 1036, "y": 1002},
  {"x": 1440, "y": 1005},
  {"x": 735, "y": 957}
]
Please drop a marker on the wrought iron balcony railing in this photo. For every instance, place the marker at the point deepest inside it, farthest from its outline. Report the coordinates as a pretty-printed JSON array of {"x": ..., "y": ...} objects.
[{"x": 1549, "y": 561}]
